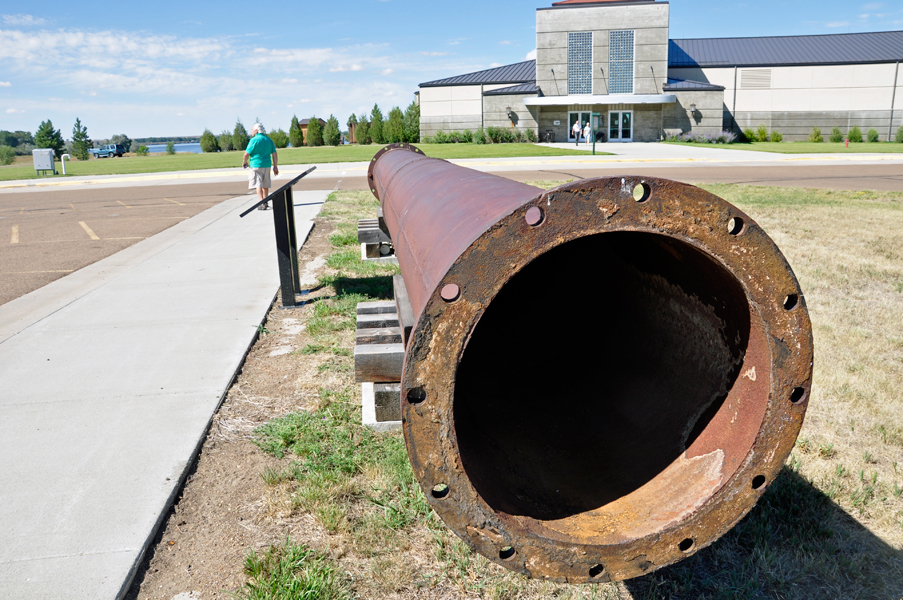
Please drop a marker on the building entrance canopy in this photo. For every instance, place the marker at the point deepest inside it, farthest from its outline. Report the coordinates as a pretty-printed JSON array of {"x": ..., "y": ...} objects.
[{"x": 586, "y": 99}]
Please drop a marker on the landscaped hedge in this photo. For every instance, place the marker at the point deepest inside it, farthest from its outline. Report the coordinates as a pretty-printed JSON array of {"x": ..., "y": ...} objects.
[
  {"x": 490, "y": 135},
  {"x": 723, "y": 137}
]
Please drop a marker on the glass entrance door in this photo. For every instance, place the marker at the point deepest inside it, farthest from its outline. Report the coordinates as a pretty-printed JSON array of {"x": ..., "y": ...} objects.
[
  {"x": 620, "y": 126},
  {"x": 574, "y": 117}
]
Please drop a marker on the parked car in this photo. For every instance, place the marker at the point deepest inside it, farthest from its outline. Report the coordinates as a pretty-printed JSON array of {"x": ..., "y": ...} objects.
[{"x": 109, "y": 151}]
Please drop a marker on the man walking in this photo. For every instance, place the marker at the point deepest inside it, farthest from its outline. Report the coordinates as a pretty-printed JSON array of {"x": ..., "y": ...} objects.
[{"x": 261, "y": 155}]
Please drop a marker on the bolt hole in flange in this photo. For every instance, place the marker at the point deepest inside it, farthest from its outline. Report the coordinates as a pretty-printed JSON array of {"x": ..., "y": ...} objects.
[
  {"x": 534, "y": 216},
  {"x": 686, "y": 545},
  {"x": 450, "y": 292},
  {"x": 735, "y": 226},
  {"x": 641, "y": 192},
  {"x": 596, "y": 571},
  {"x": 758, "y": 481},
  {"x": 791, "y": 301},
  {"x": 416, "y": 395},
  {"x": 797, "y": 395},
  {"x": 440, "y": 490},
  {"x": 507, "y": 553}
]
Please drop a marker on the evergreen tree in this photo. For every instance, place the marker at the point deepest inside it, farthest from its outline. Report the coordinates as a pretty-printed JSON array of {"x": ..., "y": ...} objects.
[
  {"x": 352, "y": 125},
  {"x": 295, "y": 133},
  {"x": 80, "y": 141},
  {"x": 393, "y": 130},
  {"x": 362, "y": 132},
  {"x": 239, "y": 136},
  {"x": 279, "y": 137},
  {"x": 376, "y": 125},
  {"x": 412, "y": 123},
  {"x": 314, "y": 132},
  {"x": 48, "y": 137},
  {"x": 331, "y": 134},
  {"x": 225, "y": 141},
  {"x": 209, "y": 142}
]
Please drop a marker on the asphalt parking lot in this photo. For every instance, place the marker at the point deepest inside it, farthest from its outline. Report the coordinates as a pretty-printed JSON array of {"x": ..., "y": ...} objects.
[{"x": 49, "y": 234}]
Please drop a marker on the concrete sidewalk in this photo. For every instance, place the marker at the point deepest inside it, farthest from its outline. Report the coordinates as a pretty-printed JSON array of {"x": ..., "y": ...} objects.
[{"x": 109, "y": 379}]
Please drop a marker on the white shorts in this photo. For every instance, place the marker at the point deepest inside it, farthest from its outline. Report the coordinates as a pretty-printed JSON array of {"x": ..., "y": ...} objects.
[{"x": 259, "y": 178}]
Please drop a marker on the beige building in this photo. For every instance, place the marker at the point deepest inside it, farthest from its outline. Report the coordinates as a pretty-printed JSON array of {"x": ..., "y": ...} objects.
[{"x": 611, "y": 61}]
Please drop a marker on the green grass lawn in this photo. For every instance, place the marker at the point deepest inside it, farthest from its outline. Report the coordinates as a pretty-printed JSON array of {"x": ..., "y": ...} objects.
[
  {"x": 157, "y": 163},
  {"x": 804, "y": 147}
]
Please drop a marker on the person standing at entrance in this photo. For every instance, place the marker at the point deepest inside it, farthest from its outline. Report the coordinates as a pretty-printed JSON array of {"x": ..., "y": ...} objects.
[
  {"x": 576, "y": 131},
  {"x": 587, "y": 132},
  {"x": 260, "y": 154}
]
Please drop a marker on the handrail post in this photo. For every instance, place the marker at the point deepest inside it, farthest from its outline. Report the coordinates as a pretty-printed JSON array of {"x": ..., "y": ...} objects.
[{"x": 286, "y": 240}]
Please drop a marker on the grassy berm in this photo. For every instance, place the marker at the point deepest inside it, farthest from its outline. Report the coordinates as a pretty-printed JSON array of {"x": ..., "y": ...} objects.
[{"x": 831, "y": 526}]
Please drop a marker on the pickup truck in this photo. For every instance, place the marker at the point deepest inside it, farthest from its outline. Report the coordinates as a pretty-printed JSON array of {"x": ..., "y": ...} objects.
[{"x": 108, "y": 151}]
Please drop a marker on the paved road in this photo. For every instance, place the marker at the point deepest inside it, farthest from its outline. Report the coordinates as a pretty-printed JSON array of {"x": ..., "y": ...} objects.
[{"x": 887, "y": 177}]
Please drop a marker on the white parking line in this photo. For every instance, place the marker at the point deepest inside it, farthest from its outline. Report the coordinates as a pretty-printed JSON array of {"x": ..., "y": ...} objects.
[{"x": 88, "y": 230}]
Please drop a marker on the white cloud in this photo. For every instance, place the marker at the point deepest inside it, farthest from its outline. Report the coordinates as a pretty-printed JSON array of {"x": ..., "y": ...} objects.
[
  {"x": 139, "y": 82},
  {"x": 22, "y": 20},
  {"x": 872, "y": 6},
  {"x": 531, "y": 55},
  {"x": 494, "y": 65},
  {"x": 344, "y": 68},
  {"x": 835, "y": 24},
  {"x": 505, "y": 43}
]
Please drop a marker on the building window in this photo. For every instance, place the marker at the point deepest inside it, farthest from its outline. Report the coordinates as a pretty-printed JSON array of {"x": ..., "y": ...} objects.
[
  {"x": 620, "y": 62},
  {"x": 580, "y": 62}
]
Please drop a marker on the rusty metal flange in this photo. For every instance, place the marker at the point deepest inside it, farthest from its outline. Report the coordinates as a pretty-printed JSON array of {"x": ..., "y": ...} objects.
[{"x": 604, "y": 377}]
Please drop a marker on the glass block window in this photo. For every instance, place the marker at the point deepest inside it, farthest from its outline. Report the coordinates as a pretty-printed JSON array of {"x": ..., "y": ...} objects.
[
  {"x": 620, "y": 62},
  {"x": 580, "y": 62}
]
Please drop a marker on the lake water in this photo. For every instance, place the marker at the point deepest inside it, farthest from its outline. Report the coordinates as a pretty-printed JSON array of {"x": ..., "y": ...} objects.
[{"x": 194, "y": 148}]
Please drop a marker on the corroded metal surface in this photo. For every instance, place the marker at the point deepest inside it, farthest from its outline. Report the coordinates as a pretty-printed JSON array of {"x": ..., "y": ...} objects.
[{"x": 603, "y": 378}]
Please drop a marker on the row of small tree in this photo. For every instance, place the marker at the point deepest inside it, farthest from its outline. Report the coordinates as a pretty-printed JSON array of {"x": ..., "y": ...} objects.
[
  {"x": 398, "y": 127},
  {"x": 237, "y": 139},
  {"x": 368, "y": 129}
]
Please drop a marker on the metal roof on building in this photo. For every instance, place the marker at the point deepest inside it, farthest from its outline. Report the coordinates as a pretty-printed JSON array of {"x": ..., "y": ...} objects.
[
  {"x": 521, "y": 72},
  {"x": 689, "y": 84},
  {"x": 834, "y": 49},
  {"x": 521, "y": 88}
]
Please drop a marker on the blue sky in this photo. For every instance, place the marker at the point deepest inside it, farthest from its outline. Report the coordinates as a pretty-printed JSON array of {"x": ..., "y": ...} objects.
[{"x": 173, "y": 68}]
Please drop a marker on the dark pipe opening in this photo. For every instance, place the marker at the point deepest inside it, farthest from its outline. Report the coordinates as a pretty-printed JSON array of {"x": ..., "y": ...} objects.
[{"x": 593, "y": 369}]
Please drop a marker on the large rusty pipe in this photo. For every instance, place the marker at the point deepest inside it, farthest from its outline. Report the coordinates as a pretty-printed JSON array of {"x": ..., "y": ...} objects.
[{"x": 604, "y": 377}]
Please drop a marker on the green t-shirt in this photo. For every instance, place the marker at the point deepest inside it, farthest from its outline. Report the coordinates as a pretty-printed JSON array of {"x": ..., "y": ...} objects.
[{"x": 260, "y": 148}]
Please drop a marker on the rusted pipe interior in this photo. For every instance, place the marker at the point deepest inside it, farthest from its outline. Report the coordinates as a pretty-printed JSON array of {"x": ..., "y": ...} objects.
[{"x": 594, "y": 374}]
